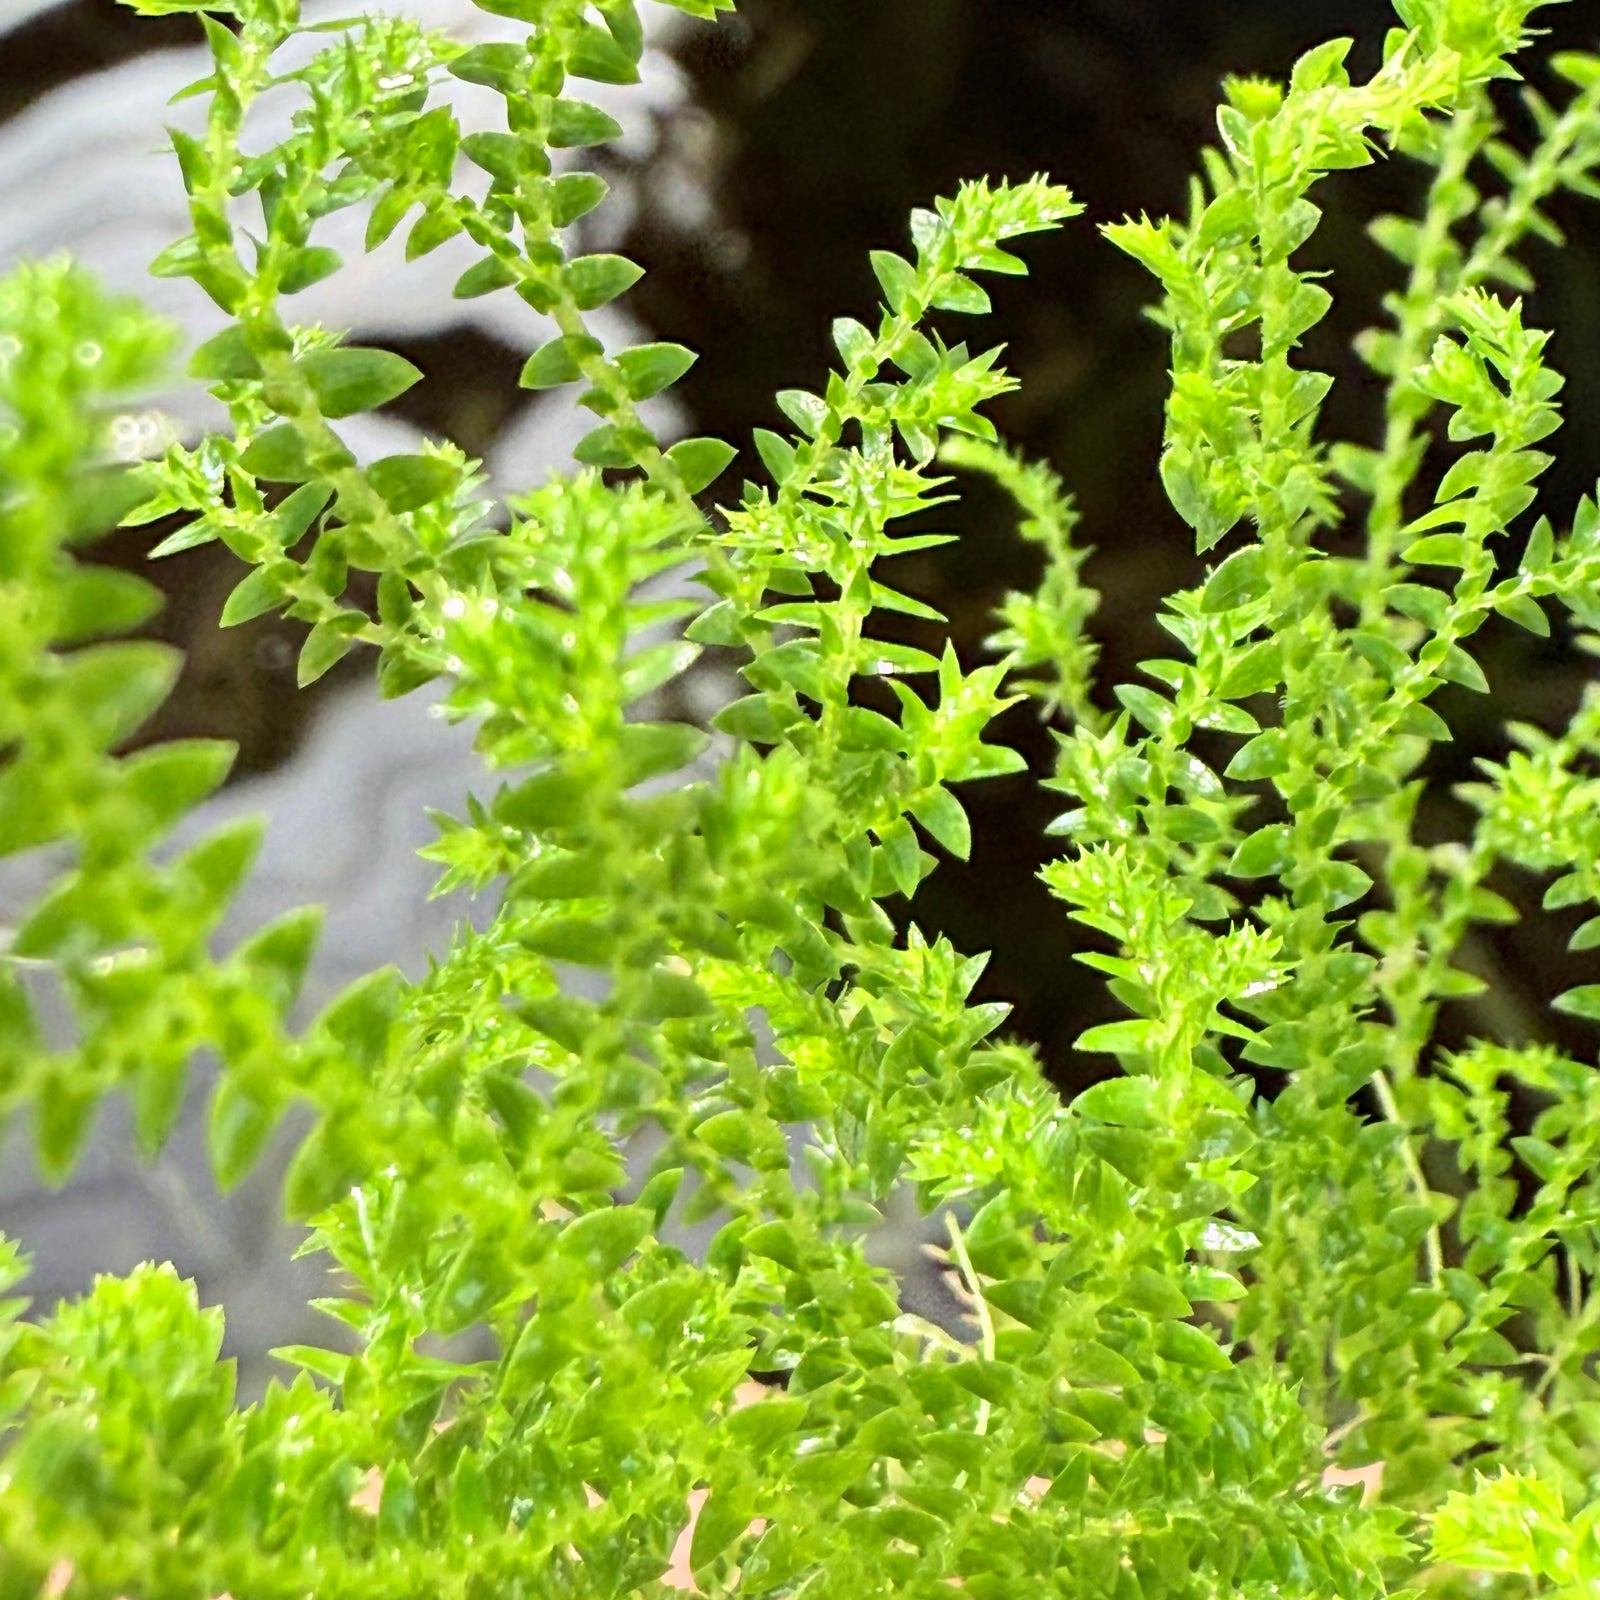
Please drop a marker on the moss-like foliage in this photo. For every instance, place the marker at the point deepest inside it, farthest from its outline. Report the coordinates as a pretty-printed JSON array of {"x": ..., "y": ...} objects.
[{"x": 1325, "y": 1331}]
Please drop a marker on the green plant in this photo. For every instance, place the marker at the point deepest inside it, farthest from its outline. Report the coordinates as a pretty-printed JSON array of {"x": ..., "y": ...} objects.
[{"x": 1197, "y": 1307}]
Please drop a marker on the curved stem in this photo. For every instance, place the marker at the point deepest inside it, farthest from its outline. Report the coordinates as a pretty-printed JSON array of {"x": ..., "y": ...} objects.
[
  {"x": 980, "y": 1307},
  {"x": 1382, "y": 1088}
]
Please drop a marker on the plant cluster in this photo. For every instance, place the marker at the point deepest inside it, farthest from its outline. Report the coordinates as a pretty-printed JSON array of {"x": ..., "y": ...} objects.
[{"x": 1325, "y": 1330}]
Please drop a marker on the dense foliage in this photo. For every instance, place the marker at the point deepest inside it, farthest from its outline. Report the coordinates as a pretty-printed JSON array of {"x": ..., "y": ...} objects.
[{"x": 1288, "y": 1306}]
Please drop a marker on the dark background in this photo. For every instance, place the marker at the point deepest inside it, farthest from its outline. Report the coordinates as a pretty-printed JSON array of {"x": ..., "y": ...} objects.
[{"x": 823, "y": 123}]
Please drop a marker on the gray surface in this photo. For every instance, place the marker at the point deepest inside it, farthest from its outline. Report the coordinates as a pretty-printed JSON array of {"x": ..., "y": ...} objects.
[
  {"x": 348, "y": 813},
  {"x": 345, "y": 820},
  {"x": 111, "y": 195},
  {"x": 86, "y": 170},
  {"x": 16, "y": 13}
]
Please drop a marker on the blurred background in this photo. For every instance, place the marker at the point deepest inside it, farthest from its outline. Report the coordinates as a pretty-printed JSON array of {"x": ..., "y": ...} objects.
[{"x": 765, "y": 156}]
